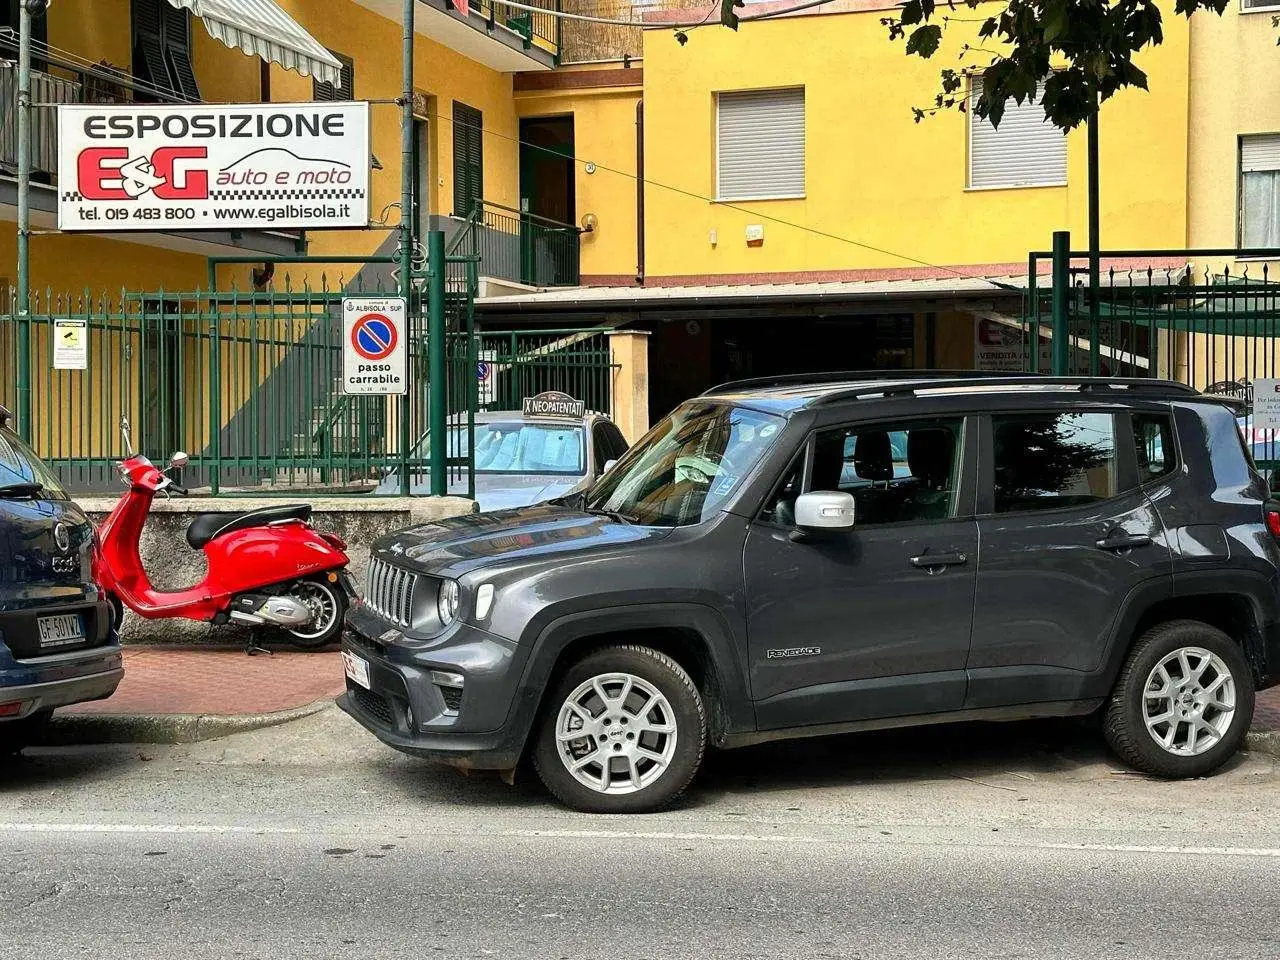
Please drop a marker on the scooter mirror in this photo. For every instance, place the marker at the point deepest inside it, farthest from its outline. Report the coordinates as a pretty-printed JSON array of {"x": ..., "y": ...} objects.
[{"x": 178, "y": 460}]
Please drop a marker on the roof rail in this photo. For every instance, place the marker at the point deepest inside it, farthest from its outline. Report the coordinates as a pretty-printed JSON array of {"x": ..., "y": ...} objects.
[
  {"x": 1132, "y": 385},
  {"x": 851, "y": 376}
]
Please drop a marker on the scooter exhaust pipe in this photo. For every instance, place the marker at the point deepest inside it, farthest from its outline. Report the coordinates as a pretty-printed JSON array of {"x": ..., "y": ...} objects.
[{"x": 259, "y": 609}]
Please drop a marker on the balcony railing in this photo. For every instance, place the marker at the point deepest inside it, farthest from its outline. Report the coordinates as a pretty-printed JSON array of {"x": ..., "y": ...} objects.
[
  {"x": 522, "y": 247},
  {"x": 541, "y": 29}
]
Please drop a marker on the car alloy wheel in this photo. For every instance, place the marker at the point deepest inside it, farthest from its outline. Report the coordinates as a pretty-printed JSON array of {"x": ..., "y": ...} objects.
[
  {"x": 616, "y": 733},
  {"x": 1189, "y": 701}
]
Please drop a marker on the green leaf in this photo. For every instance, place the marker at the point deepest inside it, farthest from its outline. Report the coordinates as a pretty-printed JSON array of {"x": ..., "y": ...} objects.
[
  {"x": 911, "y": 12},
  {"x": 1055, "y": 22},
  {"x": 925, "y": 40}
]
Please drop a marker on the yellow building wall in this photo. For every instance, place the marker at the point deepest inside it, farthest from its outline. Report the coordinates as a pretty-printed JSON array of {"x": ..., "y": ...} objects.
[
  {"x": 604, "y": 133},
  {"x": 373, "y": 42},
  {"x": 1234, "y": 75},
  {"x": 894, "y": 190}
]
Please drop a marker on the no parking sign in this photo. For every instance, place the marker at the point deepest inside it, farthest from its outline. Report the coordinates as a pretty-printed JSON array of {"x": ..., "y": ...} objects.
[{"x": 374, "y": 333}]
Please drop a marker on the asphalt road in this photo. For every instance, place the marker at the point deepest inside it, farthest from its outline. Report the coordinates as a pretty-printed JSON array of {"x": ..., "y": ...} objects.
[{"x": 312, "y": 841}]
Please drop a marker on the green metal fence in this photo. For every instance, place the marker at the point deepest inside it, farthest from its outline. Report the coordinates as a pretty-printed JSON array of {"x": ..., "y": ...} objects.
[
  {"x": 521, "y": 363},
  {"x": 248, "y": 383},
  {"x": 1201, "y": 317}
]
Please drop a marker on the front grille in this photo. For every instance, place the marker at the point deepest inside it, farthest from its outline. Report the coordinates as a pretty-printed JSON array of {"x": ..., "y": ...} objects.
[
  {"x": 389, "y": 591},
  {"x": 374, "y": 705}
]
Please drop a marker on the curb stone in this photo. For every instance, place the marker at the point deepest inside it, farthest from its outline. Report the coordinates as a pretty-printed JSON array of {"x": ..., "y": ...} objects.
[
  {"x": 90, "y": 728},
  {"x": 1264, "y": 741}
]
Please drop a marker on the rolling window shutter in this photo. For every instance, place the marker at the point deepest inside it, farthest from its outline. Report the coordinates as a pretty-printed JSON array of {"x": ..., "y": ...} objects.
[
  {"x": 1025, "y": 150},
  {"x": 1260, "y": 153},
  {"x": 468, "y": 159},
  {"x": 760, "y": 144}
]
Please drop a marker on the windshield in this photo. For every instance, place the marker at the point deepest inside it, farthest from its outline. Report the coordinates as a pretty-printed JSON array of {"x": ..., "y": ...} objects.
[
  {"x": 20, "y": 465},
  {"x": 687, "y": 466}
]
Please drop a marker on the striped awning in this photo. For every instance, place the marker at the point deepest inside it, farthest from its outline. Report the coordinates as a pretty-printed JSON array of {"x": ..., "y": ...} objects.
[{"x": 261, "y": 28}]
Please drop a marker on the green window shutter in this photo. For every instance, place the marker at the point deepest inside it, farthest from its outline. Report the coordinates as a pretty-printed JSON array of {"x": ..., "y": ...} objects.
[
  {"x": 346, "y": 87},
  {"x": 468, "y": 159}
]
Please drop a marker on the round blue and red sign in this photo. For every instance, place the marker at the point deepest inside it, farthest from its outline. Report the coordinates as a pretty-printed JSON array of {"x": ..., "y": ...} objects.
[{"x": 374, "y": 336}]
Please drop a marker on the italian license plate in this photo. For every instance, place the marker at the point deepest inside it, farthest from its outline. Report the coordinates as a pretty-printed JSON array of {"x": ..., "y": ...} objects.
[
  {"x": 60, "y": 631},
  {"x": 357, "y": 668}
]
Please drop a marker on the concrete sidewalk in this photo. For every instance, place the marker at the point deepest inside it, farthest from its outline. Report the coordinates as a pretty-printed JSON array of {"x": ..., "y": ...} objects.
[{"x": 183, "y": 694}]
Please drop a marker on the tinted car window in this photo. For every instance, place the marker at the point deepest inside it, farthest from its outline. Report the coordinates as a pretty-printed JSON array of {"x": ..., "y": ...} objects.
[
  {"x": 1049, "y": 460},
  {"x": 899, "y": 473},
  {"x": 20, "y": 465},
  {"x": 1154, "y": 445}
]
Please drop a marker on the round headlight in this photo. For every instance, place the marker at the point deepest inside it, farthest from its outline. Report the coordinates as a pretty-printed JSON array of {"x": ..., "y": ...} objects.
[{"x": 448, "y": 602}]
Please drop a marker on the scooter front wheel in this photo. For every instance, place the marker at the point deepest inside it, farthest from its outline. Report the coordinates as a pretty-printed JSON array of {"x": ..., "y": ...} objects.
[{"x": 328, "y": 603}]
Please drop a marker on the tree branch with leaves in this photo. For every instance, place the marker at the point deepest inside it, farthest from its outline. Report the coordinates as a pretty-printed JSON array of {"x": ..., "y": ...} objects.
[{"x": 1068, "y": 51}]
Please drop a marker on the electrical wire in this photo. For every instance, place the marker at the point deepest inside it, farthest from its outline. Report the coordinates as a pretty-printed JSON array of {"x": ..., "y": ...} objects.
[{"x": 730, "y": 205}]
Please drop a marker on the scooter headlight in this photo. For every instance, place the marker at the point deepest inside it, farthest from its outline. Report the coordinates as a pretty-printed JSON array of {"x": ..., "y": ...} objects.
[{"x": 448, "y": 601}]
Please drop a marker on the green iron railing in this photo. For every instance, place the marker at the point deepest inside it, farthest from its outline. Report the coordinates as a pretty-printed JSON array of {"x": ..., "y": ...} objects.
[
  {"x": 521, "y": 247},
  {"x": 248, "y": 383},
  {"x": 523, "y": 363}
]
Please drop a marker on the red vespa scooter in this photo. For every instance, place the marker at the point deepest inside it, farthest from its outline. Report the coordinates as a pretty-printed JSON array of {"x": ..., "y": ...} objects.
[{"x": 266, "y": 567}]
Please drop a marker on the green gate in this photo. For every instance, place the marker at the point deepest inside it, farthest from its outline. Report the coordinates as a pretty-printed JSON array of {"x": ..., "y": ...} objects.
[
  {"x": 521, "y": 363},
  {"x": 247, "y": 382}
]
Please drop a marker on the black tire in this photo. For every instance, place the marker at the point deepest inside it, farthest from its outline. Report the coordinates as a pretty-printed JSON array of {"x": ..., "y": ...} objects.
[
  {"x": 17, "y": 734},
  {"x": 305, "y": 641},
  {"x": 673, "y": 683},
  {"x": 1125, "y": 726}
]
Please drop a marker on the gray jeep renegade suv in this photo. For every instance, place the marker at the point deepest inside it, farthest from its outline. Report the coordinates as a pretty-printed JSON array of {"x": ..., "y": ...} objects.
[{"x": 803, "y": 556}]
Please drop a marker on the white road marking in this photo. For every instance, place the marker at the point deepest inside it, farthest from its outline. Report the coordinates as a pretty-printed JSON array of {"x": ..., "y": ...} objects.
[{"x": 655, "y": 835}]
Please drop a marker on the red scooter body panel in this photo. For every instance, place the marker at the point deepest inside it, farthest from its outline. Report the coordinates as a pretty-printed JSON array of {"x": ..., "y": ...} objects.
[{"x": 238, "y": 562}]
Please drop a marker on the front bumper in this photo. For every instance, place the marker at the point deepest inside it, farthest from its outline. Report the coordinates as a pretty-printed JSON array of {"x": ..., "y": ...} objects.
[{"x": 484, "y": 727}]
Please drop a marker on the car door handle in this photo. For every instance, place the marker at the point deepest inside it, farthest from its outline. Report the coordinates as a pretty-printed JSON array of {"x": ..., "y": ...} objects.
[
  {"x": 1123, "y": 541},
  {"x": 928, "y": 561}
]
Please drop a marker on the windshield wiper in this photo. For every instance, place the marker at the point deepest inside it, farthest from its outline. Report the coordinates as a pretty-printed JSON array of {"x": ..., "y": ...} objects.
[
  {"x": 28, "y": 488},
  {"x": 614, "y": 515}
]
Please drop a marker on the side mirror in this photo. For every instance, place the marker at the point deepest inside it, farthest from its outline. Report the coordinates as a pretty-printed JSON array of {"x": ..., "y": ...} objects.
[
  {"x": 608, "y": 466},
  {"x": 824, "y": 511},
  {"x": 178, "y": 460}
]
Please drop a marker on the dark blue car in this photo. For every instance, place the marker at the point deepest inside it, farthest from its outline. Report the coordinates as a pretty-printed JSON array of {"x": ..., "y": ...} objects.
[{"x": 58, "y": 640}]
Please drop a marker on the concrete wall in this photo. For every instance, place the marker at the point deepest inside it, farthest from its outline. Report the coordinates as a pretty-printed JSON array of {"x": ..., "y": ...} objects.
[{"x": 173, "y": 565}]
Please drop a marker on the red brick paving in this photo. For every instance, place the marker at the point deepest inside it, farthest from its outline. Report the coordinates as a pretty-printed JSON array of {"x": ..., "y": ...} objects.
[
  {"x": 227, "y": 681},
  {"x": 1266, "y": 711},
  {"x": 218, "y": 681}
]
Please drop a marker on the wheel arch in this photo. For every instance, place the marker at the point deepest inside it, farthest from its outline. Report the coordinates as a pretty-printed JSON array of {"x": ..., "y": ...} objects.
[{"x": 695, "y": 636}]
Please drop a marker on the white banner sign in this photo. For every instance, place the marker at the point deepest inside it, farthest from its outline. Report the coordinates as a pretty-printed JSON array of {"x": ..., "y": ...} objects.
[
  {"x": 375, "y": 331},
  {"x": 170, "y": 167},
  {"x": 70, "y": 345},
  {"x": 1266, "y": 404}
]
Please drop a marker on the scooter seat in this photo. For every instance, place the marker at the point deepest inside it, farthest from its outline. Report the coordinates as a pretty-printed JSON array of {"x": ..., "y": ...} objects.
[{"x": 206, "y": 526}]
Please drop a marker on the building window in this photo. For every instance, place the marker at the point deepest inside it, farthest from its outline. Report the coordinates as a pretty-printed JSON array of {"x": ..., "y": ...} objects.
[
  {"x": 1260, "y": 191},
  {"x": 346, "y": 88},
  {"x": 468, "y": 159},
  {"x": 162, "y": 48},
  {"x": 760, "y": 144},
  {"x": 1251, "y": 5},
  {"x": 1026, "y": 150}
]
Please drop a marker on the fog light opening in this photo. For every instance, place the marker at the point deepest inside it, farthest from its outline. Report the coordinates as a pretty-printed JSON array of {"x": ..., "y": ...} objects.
[{"x": 450, "y": 686}]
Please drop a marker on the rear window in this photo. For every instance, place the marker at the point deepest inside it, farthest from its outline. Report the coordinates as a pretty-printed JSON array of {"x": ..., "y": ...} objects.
[{"x": 20, "y": 465}]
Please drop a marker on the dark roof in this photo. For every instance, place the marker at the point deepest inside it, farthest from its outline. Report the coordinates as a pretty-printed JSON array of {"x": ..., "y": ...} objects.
[{"x": 797, "y": 391}]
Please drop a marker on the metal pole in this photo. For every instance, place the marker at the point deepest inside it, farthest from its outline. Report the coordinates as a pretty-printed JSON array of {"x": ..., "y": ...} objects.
[
  {"x": 1094, "y": 243},
  {"x": 435, "y": 357},
  {"x": 407, "y": 178},
  {"x": 24, "y": 219},
  {"x": 1061, "y": 287}
]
